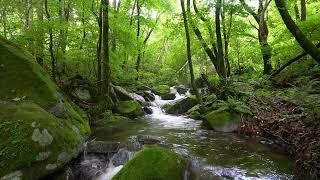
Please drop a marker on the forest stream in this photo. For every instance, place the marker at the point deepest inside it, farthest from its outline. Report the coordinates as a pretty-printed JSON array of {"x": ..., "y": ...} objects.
[{"x": 211, "y": 155}]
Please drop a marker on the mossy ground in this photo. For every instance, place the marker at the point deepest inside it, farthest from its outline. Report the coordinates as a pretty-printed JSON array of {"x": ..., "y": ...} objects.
[{"x": 154, "y": 163}]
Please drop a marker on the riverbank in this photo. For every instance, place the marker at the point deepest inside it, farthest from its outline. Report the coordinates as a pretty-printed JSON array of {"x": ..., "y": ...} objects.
[{"x": 288, "y": 125}]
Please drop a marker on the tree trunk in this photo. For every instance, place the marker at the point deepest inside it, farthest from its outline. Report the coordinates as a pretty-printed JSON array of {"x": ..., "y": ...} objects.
[
  {"x": 106, "y": 69},
  {"x": 40, "y": 35},
  {"x": 28, "y": 14},
  {"x": 99, "y": 47},
  {"x": 138, "y": 40},
  {"x": 220, "y": 60},
  {"x": 210, "y": 52},
  {"x": 303, "y": 10},
  {"x": 4, "y": 21},
  {"x": 296, "y": 11},
  {"x": 226, "y": 37},
  {"x": 84, "y": 33},
  {"x": 263, "y": 33},
  {"x": 186, "y": 26},
  {"x": 53, "y": 61},
  {"x": 304, "y": 42}
]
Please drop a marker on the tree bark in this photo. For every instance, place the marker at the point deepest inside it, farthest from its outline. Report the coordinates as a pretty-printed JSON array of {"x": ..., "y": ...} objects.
[
  {"x": 263, "y": 33},
  {"x": 40, "y": 35},
  {"x": 210, "y": 52},
  {"x": 226, "y": 37},
  {"x": 186, "y": 27},
  {"x": 106, "y": 69},
  {"x": 303, "y": 10},
  {"x": 296, "y": 11},
  {"x": 304, "y": 42},
  {"x": 220, "y": 60},
  {"x": 138, "y": 40},
  {"x": 53, "y": 61},
  {"x": 28, "y": 14}
]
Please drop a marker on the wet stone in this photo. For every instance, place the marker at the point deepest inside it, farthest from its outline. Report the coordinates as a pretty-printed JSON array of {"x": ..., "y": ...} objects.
[{"x": 101, "y": 147}]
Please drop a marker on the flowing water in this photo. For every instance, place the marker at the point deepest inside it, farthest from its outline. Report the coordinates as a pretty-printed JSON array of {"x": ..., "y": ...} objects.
[{"x": 212, "y": 155}]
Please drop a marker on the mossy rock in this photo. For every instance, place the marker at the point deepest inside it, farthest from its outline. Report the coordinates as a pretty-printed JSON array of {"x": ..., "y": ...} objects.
[
  {"x": 195, "y": 112},
  {"x": 154, "y": 163},
  {"x": 131, "y": 109},
  {"x": 111, "y": 119},
  {"x": 162, "y": 89},
  {"x": 40, "y": 131},
  {"x": 222, "y": 121},
  {"x": 122, "y": 94},
  {"x": 181, "y": 106}
]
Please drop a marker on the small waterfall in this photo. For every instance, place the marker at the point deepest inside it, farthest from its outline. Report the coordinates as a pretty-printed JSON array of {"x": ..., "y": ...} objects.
[{"x": 170, "y": 121}]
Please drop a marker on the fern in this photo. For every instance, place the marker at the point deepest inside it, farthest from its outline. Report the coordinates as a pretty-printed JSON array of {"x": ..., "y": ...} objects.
[{"x": 233, "y": 105}]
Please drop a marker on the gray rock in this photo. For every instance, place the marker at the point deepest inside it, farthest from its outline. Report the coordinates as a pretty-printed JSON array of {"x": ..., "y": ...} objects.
[
  {"x": 148, "y": 140},
  {"x": 102, "y": 147},
  {"x": 147, "y": 96},
  {"x": 44, "y": 138},
  {"x": 82, "y": 94},
  {"x": 43, "y": 156},
  {"x": 17, "y": 175},
  {"x": 58, "y": 110},
  {"x": 122, "y": 94},
  {"x": 148, "y": 110}
]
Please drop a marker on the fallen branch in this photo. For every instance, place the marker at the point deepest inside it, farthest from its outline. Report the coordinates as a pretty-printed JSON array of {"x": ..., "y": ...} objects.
[{"x": 301, "y": 55}]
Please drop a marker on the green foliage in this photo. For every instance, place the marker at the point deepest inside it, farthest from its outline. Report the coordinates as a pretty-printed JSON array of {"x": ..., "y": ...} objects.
[{"x": 233, "y": 106}]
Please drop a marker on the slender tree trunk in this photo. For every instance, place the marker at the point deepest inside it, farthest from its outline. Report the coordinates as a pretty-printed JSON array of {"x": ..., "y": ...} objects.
[
  {"x": 53, "y": 63},
  {"x": 106, "y": 69},
  {"x": 226, "y": 37},
  {"x": 296, "y": 11},
  {"x": 186, "y": 26},
  {"x": 210, "y": 52},
  {"x": 40, "y": 35},
  {"x": 300, "y": 56},
  {"x": 99, "y": 47},
  {"x": 303, "y": 10},
  {"x": 263, "y": 33},
  {"x": 138, "y": 40},
  {"x": 4, "y": 21},
  {"x": 220, "y": 60},
  {"x": 304, "y": 42},
  {"x": 28, "y": 14},
  {"x": 131, "y": 23},
  {"x": 84, "y": 33}
]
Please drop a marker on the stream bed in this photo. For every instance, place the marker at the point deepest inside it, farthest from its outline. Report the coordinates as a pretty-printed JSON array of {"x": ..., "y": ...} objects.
[{"x": 211, "y": 155}]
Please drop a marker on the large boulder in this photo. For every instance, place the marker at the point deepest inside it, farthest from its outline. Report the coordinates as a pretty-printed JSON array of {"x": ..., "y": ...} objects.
[
  {"x": 164, "y": 91},
  {"x": 131, "y": 109},
  {"x": 40, "y": 131},
  {"x": 222, "y": 121},
  {"x": 154, "y": 163},
  {"x": 181, "y": 106},
  {"x": 122, "y": 94}
]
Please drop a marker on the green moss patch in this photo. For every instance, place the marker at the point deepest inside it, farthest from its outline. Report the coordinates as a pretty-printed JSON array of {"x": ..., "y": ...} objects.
[
  {"x": 130, "y": 109},
  {"x": 222, "y": 121},
  {"x": 162, "y": 89},
  {"x": 154, "y": 163}
]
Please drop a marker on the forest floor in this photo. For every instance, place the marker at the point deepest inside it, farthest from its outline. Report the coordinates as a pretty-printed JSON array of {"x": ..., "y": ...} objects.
[{"x": 284, "y": 124}]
